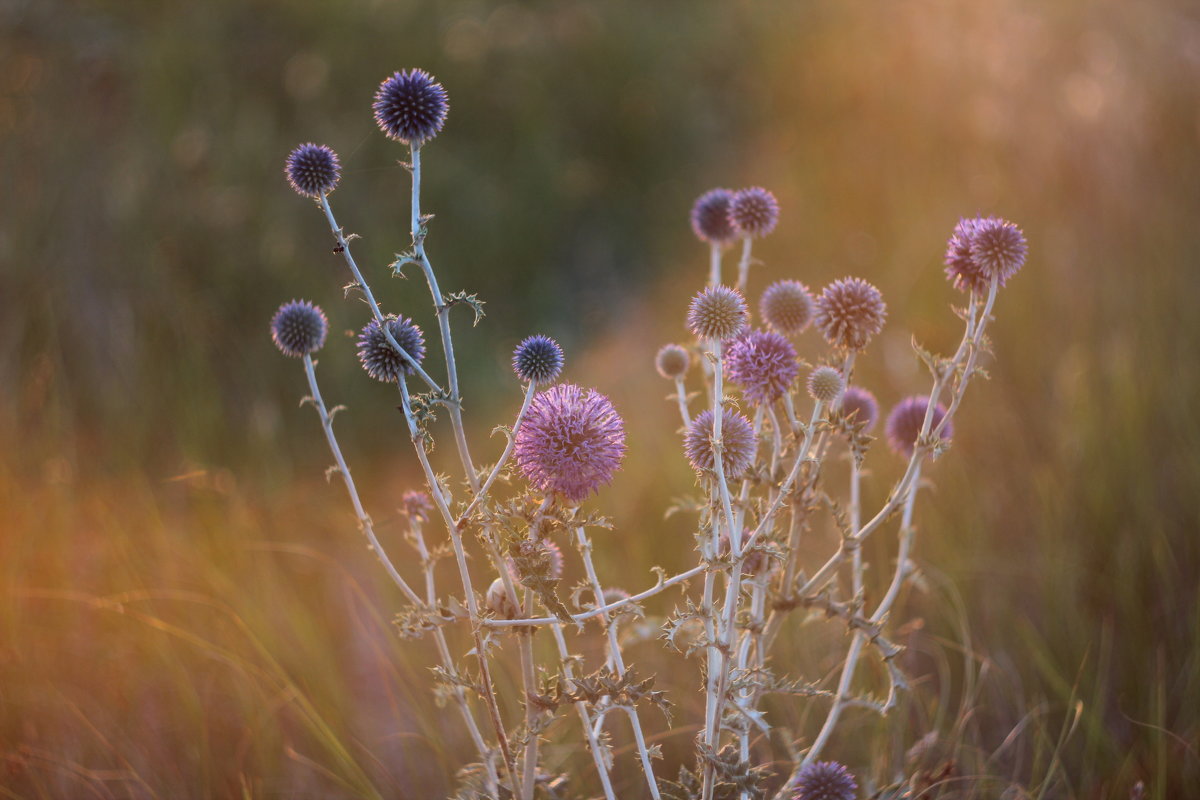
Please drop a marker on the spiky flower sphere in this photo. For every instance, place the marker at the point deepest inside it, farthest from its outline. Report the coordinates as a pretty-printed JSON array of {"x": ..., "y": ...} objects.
[
  {"x": 787, "y": 306},
  {"x": 547, "y": 550},
  {"x": 718, "y": 313},
  {"x": 499, "y": 602},
  {"x": 672, "y": 361},
  {"x": 754, "y": 211},
  {"x": 313, "y": 170},
  {"x": 998, "y": 247},
  {"x": 411, "y": 106},
  {"x": 860, "y": 407},
  {"x": 299, "y": 327},
  {"x": 825, "y": 384},
  {"x": 379, "y": 358},
  {"x": 825, "y": 780},
  {"x": 961, "y": 269},
  {"x": 710, "y": 217},
  {"x": 416, "y": 505},
  {"x": 904, "y": 423},
  {"x": 739, "y": 443},
  {"x": 849, "y": 312},
  {"x": 538, "y": 359},
  {"x": 764, "y": 364},
  {"x": 571, "y": 441}
]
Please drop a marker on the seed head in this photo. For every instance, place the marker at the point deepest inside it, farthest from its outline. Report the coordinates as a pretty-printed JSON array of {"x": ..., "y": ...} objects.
[
  {"x": 825, "y": 780},
  {"x": 546, "y": 552},
  {"x": 710, "y": 217},
  {"x": 905, "y": 421},
  {"x": 825, "y": 384},
  {"x": 787, "y": 306},
  {"x": 379, "y": 358},
  {"x": 411, "y": 106},
  {"x": 754, "y": 211},
  {"x": 718, "y": 313},
  {"x": 998, "y": 247},
  {"x": 313, "y": 170},
  {"x": 538, "y": 359},
  {"x": 571, "y": 442},
  {"x": 416, "y": 505},
  {"x": 849, "y": 312},
  {"x": 672, "y": 361},
  {"x": 739, "y": 443},
  {"x": 860, "y": 407},
  {"x": 499, "y": 602},
  {"x": 299, "y": 327},
  {"x": 764, "y": 364}
]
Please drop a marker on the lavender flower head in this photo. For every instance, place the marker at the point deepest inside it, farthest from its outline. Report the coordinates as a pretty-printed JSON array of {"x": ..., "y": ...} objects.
[
  {"x": 904, "y": 423},
  {"x": 416, "y": 505},
  {"x": 710, "y": 217},
  {"x": 672, "y": 361},
  {"x": 983, "y": 248},
  {"x": 718, "y": 312},
  {"x": 411, "y": 107},
  {"x": 764, "y": 364},
  {"x": 547, "y": 552},
  {"x": 380, "y": 359},
  {"x": 787, "y": 306},
  {"x": 825, "y": 384},
  {"x": 298, "y": 328},
  {"x": 849, "y": 312},
  {"x": 825, "y": 780},
  {"x": 737, "y": 437},
  {"x": 860, "y": 408},
  {"x": 961, "y": 270},
  {"x": 754, "y": 211},
  {"x": 571, "y": 442},
  {"x": 313, "y": 170},
  {"x": 538, "y": 359}
]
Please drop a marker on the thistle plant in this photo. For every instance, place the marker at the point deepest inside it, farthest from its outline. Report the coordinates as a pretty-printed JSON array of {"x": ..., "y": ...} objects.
[{"x": 765, "y": 434}]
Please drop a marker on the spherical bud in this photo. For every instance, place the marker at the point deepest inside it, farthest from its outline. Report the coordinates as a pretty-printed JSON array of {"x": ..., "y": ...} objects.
[
  {"x": 825, "y": 384},
  {"x": 544, "y": 552},
  {"x": 379, "y": 358},
  {"x": 672, "y": 361},
  {"x": 764, "y": 364},
  {"x": 411, "y": 106},
  {"x": 538, "y": 359},
  {"x": 313, "y": 169},
  {"x": 905, "y": 422},
  {"x": 999, "y": 248},
  {"x": 718, "y": 313},
  {"x": 849, "y": 312},
  {"x": 738, "y": 442},
  {"x": 860, "y": 408},
  {"x": 754, "y": 211},
  {"x": 416, "y": 505},
  {"x": 787, "y": 306},
  {"x": 825, "y": 780},
  {"x": 571, "y": 442},
  {"x": 299, "y": 327},
  {"x": 499, "y": 602},
  {"x": 710, "y": 217}
]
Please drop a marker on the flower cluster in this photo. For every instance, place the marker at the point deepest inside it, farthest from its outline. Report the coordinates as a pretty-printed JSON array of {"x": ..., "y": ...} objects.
[{"x": 720, "y": 216}]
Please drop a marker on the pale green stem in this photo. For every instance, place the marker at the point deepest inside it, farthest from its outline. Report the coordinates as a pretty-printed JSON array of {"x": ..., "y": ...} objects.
[
  {"x": 744, "y": 264},
  {"x": 584, "y": 716},
  {"x": 714, "y": 264},
  {"x": 681, "y": 396}
]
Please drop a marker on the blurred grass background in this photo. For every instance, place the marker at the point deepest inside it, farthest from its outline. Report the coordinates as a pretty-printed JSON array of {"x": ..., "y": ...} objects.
[{"x": 185, "y": 607}]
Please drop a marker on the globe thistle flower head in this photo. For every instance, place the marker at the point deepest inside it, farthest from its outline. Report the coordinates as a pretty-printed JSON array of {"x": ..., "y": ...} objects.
[
  {"x": 787, "y": 307},
  {"x": 313, "y": 170},
  {"x": 754, "y": 211},
  {"x": 710, "y": 217},
  {"x": 906, "y": 419},
  {"x": 860, "y": 408},
  {"x": 411, "y": 106},
  {"x": 499, "y": 602},
  {"x": 416, "y": 505},
  {"x": 718, "y": 312},
  {"x": 571, "y": 441},
  {"x": 849, "y": 312},
  {"x": 739, "y": 443},
  {"x": 961, "y": 270},
  {"x": 672, "y": 361},
  {"x": 764, "y": 364},
  {"x": 825, "y": 384},
  {"x": 538, "y": 359},
  {"x": 825, "y": 780},
  {"x": 545, "y": 550},
  {"x": 298, "y": 328},
  {"x": 998, "y": 248},
  {"x": 379, "y": 358}
]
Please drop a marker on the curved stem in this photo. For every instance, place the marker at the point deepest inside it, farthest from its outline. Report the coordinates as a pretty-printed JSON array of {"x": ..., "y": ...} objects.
[{"x": 744, "y": 264}]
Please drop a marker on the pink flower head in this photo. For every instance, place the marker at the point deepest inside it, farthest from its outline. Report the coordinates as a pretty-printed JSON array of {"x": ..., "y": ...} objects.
[{"x": 571, "y": 441}]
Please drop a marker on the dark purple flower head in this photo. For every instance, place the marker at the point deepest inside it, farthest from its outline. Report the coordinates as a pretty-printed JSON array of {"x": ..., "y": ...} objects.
[
  {"x": 825, "y": 384},
  {"x": 299, "y": 327},
  {"x": 718, "y": 313},
  {"x": 998, "y": 247},
  {"x": 538, "y": 359},
  {"x": 411, "y": 106},
  {"x": 860, "y": 408},
  {"x": 754, "y": 211},
  {"x": 710, "y": 217},
  {"x": 905, "y": 421},
  {"x": 825, "y": 780},
  {"x": 380, "y": 359},
  {"x": 417, "y": 505},
  {"x": 546, "y": 552},
  {"x": 961, "y": 269},
  {"x": 764, "y": 364},
  {"x": 849, "y": 312},
  {"x": 313, "y": 169},
  {"x": 737, "y": 438},
  {"x": 787, "y": 306},
  {"x": 672, "y": 361},
  {"x": 571, "y": 442}
]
